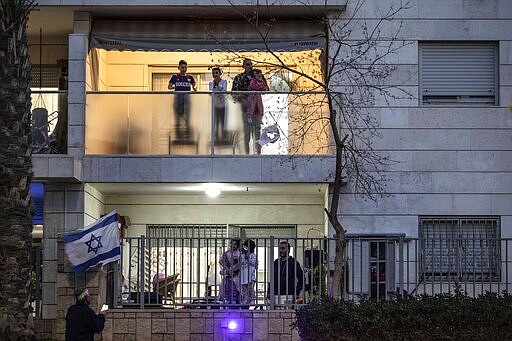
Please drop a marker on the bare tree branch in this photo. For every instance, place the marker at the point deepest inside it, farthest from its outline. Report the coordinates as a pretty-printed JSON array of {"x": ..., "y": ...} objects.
[{"x": 354, "y": 76}]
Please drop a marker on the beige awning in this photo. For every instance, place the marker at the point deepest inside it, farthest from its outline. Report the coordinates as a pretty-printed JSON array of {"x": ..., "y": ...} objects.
[{"x": 206, "y": 36}]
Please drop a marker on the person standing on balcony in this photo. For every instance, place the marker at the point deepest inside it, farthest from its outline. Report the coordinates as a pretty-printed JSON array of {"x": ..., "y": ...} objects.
[
  {"x": 241, "y": 83},
  {"x": 288, "y": 277},
  {"x": 255, "y": 107},
  {"x": 219, "y": 103},
  {"x": 81, "y": 321},
  {"x": 230, "y": 272},
  {"x": 182, "y": 82},
  {"x": 248, "y": 266}
]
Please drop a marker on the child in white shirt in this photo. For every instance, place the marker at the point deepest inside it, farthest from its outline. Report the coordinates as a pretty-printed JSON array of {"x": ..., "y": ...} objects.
[{"x": 248, "y": 267}]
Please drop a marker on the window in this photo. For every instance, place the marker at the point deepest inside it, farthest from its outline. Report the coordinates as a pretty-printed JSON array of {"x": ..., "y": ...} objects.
[
  {"x": 460, "y": 248},
  {"x": 381, "y": 268},
  {"x": 45, "y": 76},
  {"x": 372, "y": 265},
  {"x": 459, "y": 73}
]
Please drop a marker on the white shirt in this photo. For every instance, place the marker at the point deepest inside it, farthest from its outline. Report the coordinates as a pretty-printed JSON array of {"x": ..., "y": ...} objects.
[
  {"x": 222, "y": 86},
  {"x": 248, "y": 265}
]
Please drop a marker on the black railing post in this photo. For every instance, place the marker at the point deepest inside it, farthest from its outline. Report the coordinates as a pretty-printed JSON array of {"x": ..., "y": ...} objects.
[
  {"x": 271, "y": 274},
  {"x": 401, "y": 265},
  {"x": 142, "y": 288}
]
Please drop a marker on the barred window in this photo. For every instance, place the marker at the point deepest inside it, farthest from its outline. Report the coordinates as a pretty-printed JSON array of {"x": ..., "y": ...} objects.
[
  {"x": 188, "y": 231},
  {"x": 460, "y": 248}
]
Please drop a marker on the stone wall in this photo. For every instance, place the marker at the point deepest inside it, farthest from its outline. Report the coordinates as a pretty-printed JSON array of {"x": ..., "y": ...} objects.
[
  {"x": 184, "y": 325},
  {"x": 199, "y": 325}
]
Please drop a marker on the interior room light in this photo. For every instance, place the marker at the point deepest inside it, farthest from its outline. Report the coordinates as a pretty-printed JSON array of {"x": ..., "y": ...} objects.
[{"x": 212, "y": 190}]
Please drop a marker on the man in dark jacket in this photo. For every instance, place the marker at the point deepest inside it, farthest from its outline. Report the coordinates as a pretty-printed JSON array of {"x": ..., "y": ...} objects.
[
  {"x": 81, "y": 321},
  {"x": 288, "y": 277}
]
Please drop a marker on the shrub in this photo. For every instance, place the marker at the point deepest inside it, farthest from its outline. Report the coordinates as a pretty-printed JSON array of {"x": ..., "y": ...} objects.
[{"x": 454, "y": 316}]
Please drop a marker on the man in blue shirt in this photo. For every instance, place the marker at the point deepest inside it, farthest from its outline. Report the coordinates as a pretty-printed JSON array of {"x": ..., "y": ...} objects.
[{"x": 182, "y": 82}]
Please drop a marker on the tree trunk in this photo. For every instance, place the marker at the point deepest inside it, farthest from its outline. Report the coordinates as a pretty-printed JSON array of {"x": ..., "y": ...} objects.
[
  {"x": 338, "y": 278},
  {"x": 337, "y": 289},
  {"x": 15, "y": 171}
]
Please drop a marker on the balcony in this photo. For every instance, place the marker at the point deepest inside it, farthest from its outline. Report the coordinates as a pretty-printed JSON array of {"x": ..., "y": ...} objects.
[{"x": 170, "y": 123}]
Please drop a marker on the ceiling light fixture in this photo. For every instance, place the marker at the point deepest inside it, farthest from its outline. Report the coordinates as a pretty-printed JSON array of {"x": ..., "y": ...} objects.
[{"x": 212, "y": 190}]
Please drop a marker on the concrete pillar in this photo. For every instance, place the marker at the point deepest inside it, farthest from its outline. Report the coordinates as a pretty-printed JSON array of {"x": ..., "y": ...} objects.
[{"x": 78, "y": 50}]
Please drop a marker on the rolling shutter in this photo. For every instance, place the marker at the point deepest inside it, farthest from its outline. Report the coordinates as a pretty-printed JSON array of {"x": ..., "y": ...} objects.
[{"x": 454, "y": 72}]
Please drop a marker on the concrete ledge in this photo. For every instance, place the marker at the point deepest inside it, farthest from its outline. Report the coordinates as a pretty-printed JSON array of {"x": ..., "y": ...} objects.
[
  {"x": 56, "y": 167},
  {"x": 268, "y": 169}
]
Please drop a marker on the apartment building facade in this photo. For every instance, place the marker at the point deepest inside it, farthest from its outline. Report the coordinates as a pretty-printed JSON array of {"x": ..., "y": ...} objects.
[{"x": 102, "y": 69}]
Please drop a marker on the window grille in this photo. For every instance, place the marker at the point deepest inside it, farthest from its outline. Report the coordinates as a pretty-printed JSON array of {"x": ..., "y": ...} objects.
[
  {"x": 188, "y": 231},
  {"x": 45, "y": 76},
  {"x": 221, "y": 231},
  {"x": 460, "y": 248}
]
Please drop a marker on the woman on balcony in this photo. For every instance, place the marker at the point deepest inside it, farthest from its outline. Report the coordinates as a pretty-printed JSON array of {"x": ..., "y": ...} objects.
[
  {"x": 230, "y": 272},
  {"x": 241, "y": 83},
  {"x": 255, "y": 108}
]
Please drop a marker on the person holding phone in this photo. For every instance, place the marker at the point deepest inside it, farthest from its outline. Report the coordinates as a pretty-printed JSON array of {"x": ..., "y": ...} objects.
[{"x": 81, "y": 321}]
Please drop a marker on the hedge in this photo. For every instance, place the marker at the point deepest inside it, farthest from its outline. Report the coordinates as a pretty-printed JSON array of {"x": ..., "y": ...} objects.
[{"x": 453, "y": 316}]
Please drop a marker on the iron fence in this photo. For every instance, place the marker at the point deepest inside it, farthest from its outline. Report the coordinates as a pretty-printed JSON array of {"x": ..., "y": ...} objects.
[{"x": 285, "y": 273}]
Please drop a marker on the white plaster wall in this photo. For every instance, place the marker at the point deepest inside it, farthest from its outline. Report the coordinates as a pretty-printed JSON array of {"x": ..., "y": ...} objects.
[
  {"x": 94, "y": 204},
  {"x": 51, "y": 49},
  {"x": 305, "y": 211}
]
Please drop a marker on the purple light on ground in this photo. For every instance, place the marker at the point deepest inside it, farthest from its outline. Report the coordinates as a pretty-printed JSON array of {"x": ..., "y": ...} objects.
[{"x": 232, "y": 325}]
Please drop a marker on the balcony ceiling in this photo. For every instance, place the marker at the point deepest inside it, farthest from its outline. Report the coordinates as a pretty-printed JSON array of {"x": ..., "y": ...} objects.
[
  {"x": 58, "y": 20},
  {"x": 195, "y": 189},
  {"x": 54, "y": 21}
]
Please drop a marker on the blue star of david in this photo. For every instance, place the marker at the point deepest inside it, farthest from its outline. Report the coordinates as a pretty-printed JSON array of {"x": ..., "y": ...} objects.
[{"x": 98, "y": 245}]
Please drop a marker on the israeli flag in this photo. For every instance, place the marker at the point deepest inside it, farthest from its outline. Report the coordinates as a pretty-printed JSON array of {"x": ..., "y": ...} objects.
[{"x": 95, "y": 244}]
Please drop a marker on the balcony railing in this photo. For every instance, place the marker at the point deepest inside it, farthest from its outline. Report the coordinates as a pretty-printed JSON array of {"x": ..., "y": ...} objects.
[
  {"x": 202, "y": 123},
  {"x": 202, "y": 272},
  {"x": 191, "y": 272},
  {"x": 49, "y": 121}
]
